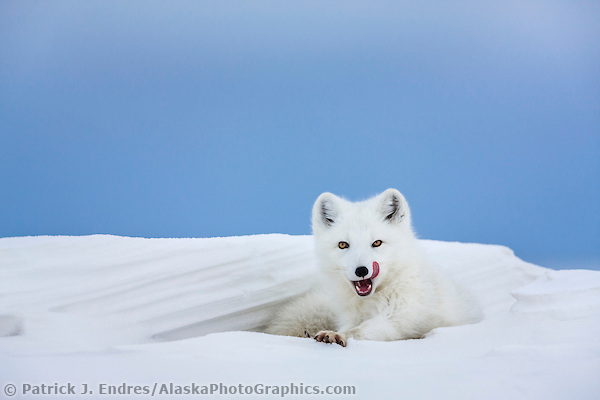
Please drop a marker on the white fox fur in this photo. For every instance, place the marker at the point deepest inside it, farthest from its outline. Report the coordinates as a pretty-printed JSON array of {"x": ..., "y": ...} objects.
[{"x": 403, "y": 297}]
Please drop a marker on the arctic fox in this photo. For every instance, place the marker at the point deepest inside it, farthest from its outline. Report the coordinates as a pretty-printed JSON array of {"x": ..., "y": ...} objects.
[{"x": 377, "y": 284}]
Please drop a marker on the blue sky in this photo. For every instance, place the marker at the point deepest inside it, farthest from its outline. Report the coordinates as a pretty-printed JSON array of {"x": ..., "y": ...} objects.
[{"x": 197, "y": 119}]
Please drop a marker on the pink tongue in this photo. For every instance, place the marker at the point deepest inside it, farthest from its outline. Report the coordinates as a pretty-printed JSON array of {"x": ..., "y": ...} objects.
[
  {"x": 375, "y": 269},
  {"x": 363, "y": 287}
]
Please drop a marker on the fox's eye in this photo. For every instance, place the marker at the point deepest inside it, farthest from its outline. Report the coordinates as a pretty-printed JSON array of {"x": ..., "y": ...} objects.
[
  {"x": 343, "y": 245},
  {"x": 376, "y": 243}
]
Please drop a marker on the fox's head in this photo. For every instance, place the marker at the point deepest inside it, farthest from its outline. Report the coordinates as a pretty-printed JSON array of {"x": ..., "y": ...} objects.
[{"x": 358, "y": 243}]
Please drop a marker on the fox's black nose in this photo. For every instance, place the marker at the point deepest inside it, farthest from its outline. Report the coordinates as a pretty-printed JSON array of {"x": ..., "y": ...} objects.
[{"x": 361, "y": 272}]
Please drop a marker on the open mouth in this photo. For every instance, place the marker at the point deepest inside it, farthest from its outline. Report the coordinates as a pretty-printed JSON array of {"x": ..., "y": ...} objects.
[{"x": 364, "y": 287}]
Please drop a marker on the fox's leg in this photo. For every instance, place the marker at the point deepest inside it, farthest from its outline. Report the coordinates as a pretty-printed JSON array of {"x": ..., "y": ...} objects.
[
  {"x": 383, "y": 328},
  {"x": 372, "y": 329},
  {"x": 379, "y": 328}
]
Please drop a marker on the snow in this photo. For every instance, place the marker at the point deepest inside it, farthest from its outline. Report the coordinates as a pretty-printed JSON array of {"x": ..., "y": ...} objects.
[{"x": 114, "y": 310}]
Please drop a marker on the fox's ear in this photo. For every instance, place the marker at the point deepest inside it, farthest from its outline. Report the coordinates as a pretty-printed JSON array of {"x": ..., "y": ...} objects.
[
  {"x": 392, "y": 206},
  {"x": 325, "y": 211}
]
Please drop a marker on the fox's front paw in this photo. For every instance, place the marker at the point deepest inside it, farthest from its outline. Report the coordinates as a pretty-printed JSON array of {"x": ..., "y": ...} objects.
[{"x": 331, "y": 337}]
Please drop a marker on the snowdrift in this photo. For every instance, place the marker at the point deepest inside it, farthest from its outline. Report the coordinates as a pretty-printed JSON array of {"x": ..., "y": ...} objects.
[{"x": 107, "y": 310}]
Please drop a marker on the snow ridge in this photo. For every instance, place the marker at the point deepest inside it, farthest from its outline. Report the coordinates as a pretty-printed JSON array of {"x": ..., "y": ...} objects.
[{"x": 114, "y": 309}]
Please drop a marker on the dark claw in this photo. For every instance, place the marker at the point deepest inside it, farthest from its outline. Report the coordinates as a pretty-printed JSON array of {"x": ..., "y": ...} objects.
[{"x": 327, "y": 338}]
